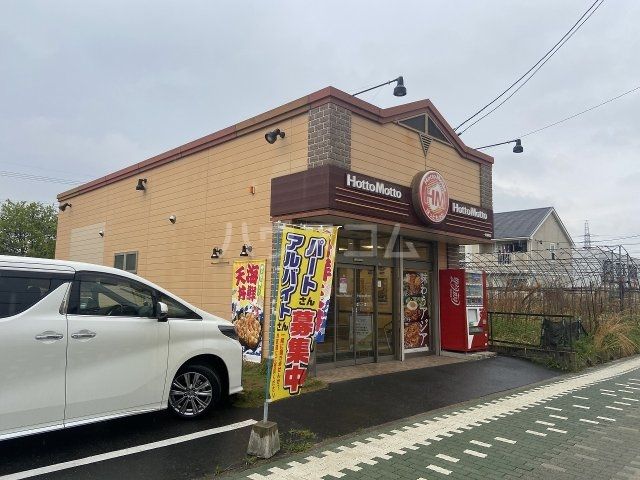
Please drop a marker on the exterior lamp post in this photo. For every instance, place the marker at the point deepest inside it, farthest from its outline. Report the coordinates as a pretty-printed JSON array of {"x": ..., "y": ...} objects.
[
  {"x": 399, "y": 90},
  {"x": 516, "y": 149}
]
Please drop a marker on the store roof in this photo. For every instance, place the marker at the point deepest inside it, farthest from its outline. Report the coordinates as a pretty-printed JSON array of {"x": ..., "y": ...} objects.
[
  {"x": 523, "y": 223},
  {"x": 288, "y": 110}
]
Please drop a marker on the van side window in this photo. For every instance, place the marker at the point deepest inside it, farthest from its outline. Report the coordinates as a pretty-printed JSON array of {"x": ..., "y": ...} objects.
[
  {"x": 176, "y": 309},
  {"x": 22, "y": 290},
  {"x": 106, "y": 295}
]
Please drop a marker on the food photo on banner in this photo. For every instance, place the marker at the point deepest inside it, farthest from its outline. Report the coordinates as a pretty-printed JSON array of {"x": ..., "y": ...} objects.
[
  {"x": 247, "y": 306},
  {"x": 304, "y": 269},
  {"x": 415, "y": 296}
]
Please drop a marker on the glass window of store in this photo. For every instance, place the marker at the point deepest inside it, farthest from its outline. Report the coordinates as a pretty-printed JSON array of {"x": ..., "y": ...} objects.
[{"x": 361, "y": 325}]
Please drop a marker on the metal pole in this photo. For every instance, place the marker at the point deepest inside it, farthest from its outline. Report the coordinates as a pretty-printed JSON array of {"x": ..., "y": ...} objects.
[{"x": 275, "y": 262}]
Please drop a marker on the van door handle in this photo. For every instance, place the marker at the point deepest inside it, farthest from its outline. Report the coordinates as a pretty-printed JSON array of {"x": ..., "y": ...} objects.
[
  {"x": 49, "y": 335},
  {"x": 83, "y": 334}
]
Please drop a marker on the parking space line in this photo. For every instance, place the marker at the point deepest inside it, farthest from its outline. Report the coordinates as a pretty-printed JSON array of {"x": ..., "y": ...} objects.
[{"x": 125, "y": 451}]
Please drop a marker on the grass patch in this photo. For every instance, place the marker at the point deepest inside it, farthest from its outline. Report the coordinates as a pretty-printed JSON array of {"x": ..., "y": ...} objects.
[
  {"x": 616, "y": 336},
  {"x": 516, "y": 329},
  {"x": 297, "y": 440},
  {"x": 253, "y": 381}
]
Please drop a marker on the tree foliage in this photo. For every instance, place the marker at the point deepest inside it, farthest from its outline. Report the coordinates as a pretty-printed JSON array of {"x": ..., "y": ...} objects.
[{"x": 28, "y": 229}]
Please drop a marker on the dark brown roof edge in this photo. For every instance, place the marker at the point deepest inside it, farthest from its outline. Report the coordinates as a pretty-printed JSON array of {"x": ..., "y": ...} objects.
[{"x": 288, "y": 110}]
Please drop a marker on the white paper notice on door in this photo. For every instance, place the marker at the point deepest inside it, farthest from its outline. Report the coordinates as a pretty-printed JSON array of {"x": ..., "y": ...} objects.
[{"x": 342, "y": 285}]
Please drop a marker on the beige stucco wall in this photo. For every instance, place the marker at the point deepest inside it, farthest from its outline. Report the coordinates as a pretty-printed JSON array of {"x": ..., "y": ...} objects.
[
  {"x": 394, "y": 153},
  {"x": 208, "y": 192}
]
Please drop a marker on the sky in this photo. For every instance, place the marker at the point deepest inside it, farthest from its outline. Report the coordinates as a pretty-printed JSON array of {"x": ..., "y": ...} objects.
[{"x": 87, "y": 88}]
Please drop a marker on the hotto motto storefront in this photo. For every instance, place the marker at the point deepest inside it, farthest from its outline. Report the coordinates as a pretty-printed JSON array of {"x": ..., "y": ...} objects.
[{"x": 400, "y": 183}]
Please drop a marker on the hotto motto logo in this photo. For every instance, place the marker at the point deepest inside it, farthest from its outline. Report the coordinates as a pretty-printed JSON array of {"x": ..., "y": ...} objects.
[{"x": 430, "y": 196}]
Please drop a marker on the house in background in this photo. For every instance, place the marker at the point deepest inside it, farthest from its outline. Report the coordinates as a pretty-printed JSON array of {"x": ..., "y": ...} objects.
[{"x": 539, "y": 231}]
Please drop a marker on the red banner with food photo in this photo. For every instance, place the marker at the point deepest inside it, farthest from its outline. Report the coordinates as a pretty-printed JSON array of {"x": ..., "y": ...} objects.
[
  {"x": 415, "y": 296},
  {"x": 247, "y": 306}
]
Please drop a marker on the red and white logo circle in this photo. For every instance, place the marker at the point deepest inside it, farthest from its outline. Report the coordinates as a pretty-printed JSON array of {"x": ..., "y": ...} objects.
[{"x": 430, "y": 196}]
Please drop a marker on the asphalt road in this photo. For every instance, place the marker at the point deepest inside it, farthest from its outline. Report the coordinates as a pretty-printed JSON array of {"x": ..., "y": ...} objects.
[{"x": 340, "y": 409}]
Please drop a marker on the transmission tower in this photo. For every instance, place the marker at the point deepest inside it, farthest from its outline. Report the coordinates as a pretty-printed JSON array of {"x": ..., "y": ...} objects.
[{"x": 587, "y": 235}]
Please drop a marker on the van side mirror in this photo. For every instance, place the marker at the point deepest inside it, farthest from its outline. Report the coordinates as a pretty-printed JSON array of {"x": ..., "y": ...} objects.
[{"x": 163, "y": 312}]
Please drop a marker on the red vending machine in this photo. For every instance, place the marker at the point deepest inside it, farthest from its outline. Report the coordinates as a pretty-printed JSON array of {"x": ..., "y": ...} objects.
[{"x": 463, "y": 312}]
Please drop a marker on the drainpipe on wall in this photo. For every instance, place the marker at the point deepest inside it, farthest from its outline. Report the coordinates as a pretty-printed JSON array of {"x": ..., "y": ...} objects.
[{"x": 436, "y": 300}]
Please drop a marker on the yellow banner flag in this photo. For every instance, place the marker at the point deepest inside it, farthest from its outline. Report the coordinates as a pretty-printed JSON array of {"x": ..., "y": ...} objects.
[{"x": 304, "y": 267}]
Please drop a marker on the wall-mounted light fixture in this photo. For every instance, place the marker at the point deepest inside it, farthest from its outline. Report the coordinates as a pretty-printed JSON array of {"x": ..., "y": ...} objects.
[
  {"x": 252, "y": 189},
  {"x": 101, "y": 233},
  {"x": 272, "y": 136},
  {"x": 217, "y": 251},
  {"x": 64, "y": 206},
  {"x": 246, "y": 250},
  {"x": 172, "y": 219},
  {"x": 141, "y": 184},
  {"x": 518, "y": 148},
  {"x": 399, "y": 90}
]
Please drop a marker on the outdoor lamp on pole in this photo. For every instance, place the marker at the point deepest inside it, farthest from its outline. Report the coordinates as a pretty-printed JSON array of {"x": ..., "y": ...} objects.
[
  {"x": 399, "y": 90},
  {"x": 518, "y": 148}
]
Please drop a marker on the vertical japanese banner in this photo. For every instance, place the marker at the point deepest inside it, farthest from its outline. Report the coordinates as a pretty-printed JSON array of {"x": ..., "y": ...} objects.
[
  {"x": 327, "y": 285},
  {"x": 247, "y": 306},
  {"x": 302, "y": 269}
]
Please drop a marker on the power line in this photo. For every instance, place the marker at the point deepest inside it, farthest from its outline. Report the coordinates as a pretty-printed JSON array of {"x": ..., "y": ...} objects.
[
  {"x": 38, "y": 178},
  {"x": 548, "y": 56},
  {"x": 577, "y": 115},
  {"x": 580, "y": 113}
]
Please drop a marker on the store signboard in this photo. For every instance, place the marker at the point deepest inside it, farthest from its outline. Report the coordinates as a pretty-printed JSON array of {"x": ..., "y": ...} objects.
[
  {"x": 427, "y": 203},
  {"x": 247, "y": 306},
  {"x": 415, "y": 302},
  {"x": 303, "y": 266},
  {"x": 430, "y": 196}
]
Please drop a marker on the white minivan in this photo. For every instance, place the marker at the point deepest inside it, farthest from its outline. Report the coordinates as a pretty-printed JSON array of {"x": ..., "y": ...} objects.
[{"x": 81, "y": 343}]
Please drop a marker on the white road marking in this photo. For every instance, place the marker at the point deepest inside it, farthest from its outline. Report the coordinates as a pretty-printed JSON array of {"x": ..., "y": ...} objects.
[
  {"x": 633, "y": 388},
  {"x": 631, "y": 399},
  {"x": 554, "y": 408},
  {"x": 605, "y": 390},
  {"x": 126, "y": 451},
  {"x": 539, "y": 434},
  {"x": 635, "y": 379},
  {"x": 582, "y": 406},
  {"x": 625, "y": 391},
  {"x": 606, "y": 406},
  {"x": 607, "y": 419},
  {"x": 559, "y": 417},
  {"x": 438, "y": 469},
  {"x": 623, "y": 403},
  {"x": 505, "y": 440},
  {"x": 442, "y": 456},
  {"x": 475, "y": 454},
  {"x": 556, "y": 430},
  {"x": 480, "y": 444},
  {"x": 585, "y": 420},
  {"x": 580, "y": 398},
  {"x": 545, "y": 423},
  {"x": 609, "y": 394}
]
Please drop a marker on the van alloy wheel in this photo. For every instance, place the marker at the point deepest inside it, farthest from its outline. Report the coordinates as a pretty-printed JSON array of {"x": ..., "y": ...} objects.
[{"x": 191, "y": 393}]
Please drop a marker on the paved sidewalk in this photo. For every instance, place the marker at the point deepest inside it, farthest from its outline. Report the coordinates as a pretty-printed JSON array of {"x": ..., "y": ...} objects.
[{"x": 580, "y": 426}]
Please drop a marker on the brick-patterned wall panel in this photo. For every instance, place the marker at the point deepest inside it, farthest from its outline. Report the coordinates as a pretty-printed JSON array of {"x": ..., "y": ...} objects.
[
  {"x": 329, "y": 136},
  {"x": 486, "y": 186}
]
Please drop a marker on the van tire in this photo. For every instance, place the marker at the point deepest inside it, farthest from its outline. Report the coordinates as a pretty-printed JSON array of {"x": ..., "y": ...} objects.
[{"x": 194, "y": 391}]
